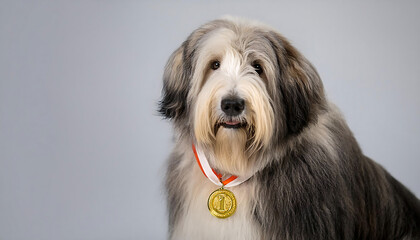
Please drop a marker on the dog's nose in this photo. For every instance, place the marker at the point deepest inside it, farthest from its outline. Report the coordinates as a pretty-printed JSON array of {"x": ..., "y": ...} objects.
[{"x": 233, "y": 106}]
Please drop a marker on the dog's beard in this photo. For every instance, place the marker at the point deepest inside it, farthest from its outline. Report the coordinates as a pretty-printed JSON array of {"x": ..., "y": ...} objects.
[
  {"x": 230, "y": 150},
  {"x": 227, "y": 144}
]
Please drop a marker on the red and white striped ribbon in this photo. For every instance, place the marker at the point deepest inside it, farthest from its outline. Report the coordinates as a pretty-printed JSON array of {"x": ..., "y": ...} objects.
[{"x": 211, "y": 174}]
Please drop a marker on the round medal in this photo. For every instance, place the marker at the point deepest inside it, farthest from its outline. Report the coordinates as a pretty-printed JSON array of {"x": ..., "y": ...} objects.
[{"x": 222, "y": 203}]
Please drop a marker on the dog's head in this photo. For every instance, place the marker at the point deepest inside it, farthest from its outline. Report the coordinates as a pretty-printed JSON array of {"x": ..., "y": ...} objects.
[{"x": 239, "y": 88}]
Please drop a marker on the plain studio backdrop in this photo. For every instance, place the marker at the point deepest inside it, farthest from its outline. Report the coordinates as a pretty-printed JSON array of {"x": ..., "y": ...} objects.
[{"x": 82, "y": 148}]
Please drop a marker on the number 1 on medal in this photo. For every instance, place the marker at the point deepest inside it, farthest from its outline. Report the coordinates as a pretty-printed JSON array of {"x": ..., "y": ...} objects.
[{"x": 221, "y": 203}]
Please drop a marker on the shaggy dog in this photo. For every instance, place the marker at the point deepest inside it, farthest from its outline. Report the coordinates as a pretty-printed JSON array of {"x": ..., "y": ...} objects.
[{"x": 240, "y": 96}]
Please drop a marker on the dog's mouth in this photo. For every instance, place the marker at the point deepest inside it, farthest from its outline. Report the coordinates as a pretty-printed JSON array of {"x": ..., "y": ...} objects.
[{"x": 233, "y": 124}]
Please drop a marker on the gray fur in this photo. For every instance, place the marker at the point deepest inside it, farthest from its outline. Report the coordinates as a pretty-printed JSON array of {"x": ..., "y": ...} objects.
[{"x": 316, "y": 182}]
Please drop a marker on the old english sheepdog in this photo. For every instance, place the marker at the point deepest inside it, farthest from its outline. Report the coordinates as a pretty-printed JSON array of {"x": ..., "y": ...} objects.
[{"x": 260, "y": 153}]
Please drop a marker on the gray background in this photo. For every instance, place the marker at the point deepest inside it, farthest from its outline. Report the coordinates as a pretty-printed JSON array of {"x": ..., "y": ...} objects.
[{"x": 82, "y": 149}]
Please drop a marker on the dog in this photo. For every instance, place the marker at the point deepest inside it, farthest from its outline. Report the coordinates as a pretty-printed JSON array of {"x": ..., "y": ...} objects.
[{"x": 247, "y": 106}]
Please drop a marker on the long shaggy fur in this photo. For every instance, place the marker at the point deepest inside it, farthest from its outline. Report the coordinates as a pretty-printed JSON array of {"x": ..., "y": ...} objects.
[{"x": 308, "y": 177}]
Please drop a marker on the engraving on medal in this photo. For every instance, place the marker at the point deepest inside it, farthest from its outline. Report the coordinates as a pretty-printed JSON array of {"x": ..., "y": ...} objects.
[{"x": 222, "y": 203}]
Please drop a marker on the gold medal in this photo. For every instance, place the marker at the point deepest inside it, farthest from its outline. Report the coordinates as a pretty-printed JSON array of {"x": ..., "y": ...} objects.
[{"x": 222, "y": 203}]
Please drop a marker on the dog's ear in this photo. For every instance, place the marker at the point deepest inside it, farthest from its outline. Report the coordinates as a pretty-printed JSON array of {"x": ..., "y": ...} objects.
[
  {"x": 179, "y": 71},
  {"x": 173, "y": 104},
  {"x": 298, "y": 83}
]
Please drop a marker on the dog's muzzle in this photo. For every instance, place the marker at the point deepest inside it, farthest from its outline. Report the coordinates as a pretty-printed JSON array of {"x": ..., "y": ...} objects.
[{"x": 232, "y": 108}]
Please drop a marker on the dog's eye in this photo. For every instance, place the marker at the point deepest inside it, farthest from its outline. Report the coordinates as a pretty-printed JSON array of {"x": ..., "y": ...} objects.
[
  {"x": 258, "y": 68},
  {"x": 215, "y": 65}
]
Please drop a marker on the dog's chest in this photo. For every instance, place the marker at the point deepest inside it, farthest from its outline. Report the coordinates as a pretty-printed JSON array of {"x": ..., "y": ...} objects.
[{"x": 196, "y": 222}]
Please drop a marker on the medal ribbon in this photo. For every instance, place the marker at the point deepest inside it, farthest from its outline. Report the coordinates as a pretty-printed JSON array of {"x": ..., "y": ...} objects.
[{"x": 211, "y": 174}]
